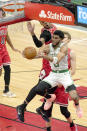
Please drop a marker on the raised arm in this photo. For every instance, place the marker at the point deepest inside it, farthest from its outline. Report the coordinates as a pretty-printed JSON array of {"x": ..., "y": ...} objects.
[
  {"x": 31, "y": 29},
  {"x": 44, "y": 37}
]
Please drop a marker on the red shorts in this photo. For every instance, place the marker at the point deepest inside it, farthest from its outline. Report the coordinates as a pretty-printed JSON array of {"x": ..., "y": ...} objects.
[
  {"x": 4, "y": 57},
  {"x": 62, "y": 98}
]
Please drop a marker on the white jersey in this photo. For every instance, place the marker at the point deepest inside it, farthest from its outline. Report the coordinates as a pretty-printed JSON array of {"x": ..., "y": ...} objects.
[{"x": 63, "y": 64}]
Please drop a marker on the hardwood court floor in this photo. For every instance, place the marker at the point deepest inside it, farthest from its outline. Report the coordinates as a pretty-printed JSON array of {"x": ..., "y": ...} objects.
[{"x": 25, "y": 72}]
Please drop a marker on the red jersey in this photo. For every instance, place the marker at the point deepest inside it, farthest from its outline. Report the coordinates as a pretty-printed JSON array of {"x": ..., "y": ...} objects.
[
  {"x": 3, "y": 34},
  {"x": 45, "y": 63},
  {"x": 4, "y": 56}
]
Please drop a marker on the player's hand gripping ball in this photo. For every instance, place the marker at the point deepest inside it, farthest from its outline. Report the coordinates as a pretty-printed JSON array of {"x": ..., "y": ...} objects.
[{"x": 29, "y": 52}]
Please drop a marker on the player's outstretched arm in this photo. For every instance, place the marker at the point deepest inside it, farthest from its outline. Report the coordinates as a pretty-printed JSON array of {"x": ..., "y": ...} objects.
[{"x": 11, "y": 45}]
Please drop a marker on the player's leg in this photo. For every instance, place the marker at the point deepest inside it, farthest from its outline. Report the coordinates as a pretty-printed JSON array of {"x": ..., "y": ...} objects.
[
  {"x": 49, "y": 101},
  {"x": 71, "y": 89},
  {"x": 73, "y": 93},
  {"x": 7, "y": 74},
  {"x": 52, "y": 79},
  {"x": 48, "y": 125},
  {"x": 67, "y": 114},
  {"x": 40, "y": 89},
  {"x": 7, "y": 70},
  {"x": 46, "y": 115}
]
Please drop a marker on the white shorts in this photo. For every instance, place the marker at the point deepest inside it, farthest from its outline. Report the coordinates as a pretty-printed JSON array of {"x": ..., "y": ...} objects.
[{"x": 59, "y": 78}]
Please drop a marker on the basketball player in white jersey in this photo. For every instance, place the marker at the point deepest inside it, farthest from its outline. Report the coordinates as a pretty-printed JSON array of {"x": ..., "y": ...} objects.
[{"x": 57, "y": 54}]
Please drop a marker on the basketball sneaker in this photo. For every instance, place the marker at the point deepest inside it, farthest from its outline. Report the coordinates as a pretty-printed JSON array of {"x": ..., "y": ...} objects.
[
  {"x": 74, "y": 128},
  {"x": 49, "y": 101},
  {"x": 9, "y": 94},
  {"x": 42, "y": 113},
  {"x": 20, "y": 112},
  {"x": 47, "y": 105}
]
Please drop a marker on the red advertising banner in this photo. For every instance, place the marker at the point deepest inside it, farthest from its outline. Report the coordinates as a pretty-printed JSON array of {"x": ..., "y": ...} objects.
[{"x": 49, "y": 13}]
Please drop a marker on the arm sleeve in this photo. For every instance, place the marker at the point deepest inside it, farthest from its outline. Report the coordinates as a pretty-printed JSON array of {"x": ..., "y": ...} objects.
[
  {"x": 45, "y": 34},
  {"x": 37, "y": 42}
]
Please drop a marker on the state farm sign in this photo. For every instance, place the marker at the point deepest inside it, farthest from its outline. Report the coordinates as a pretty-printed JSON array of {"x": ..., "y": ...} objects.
[
  {"x": 55, "y": 16},
  {"x": 49, "y": 13}
]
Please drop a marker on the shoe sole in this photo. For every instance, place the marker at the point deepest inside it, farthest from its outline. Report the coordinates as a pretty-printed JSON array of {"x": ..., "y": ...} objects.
[{"x": 9, "y": 96}]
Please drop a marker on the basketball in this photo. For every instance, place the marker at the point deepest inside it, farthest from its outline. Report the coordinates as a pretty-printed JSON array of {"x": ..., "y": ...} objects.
[{"x": 29, "y": 52}]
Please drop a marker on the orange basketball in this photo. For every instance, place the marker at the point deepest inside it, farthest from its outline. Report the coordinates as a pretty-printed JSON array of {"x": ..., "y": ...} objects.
[{"x": 29, "y": 52}]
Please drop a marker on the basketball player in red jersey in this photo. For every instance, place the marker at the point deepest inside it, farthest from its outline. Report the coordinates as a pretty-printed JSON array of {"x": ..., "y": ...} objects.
[
  {"x": 45, "y": 63},
  {"x": 4, "y": 56},
  {"x": 46, "y": 27}
]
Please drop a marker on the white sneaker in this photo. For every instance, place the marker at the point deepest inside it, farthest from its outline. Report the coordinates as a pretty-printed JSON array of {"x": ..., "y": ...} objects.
[{"x": 9, "y": 94}]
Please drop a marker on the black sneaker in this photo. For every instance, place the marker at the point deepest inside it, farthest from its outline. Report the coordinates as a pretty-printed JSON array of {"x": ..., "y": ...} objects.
[
  {"x": 20, "y": 113},
  {"x": 42, "y": 113}
]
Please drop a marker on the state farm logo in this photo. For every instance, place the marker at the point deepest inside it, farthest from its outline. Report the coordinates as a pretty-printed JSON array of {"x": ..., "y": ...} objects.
[
  {"x": 42, "y": 14},
  {"x": 55, "y": 16}
]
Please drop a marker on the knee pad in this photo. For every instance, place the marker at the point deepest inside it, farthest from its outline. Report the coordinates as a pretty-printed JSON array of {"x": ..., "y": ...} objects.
[
  {"x": 70, "y": 88},
  {"x": 74, "y": 95},
  {"x": 65, "y": 111}
]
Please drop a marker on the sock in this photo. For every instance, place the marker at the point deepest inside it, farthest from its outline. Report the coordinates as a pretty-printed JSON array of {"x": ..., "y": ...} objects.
[
  {"x": 48, "y": 128},
  {"x": 71, "y": 124}
]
